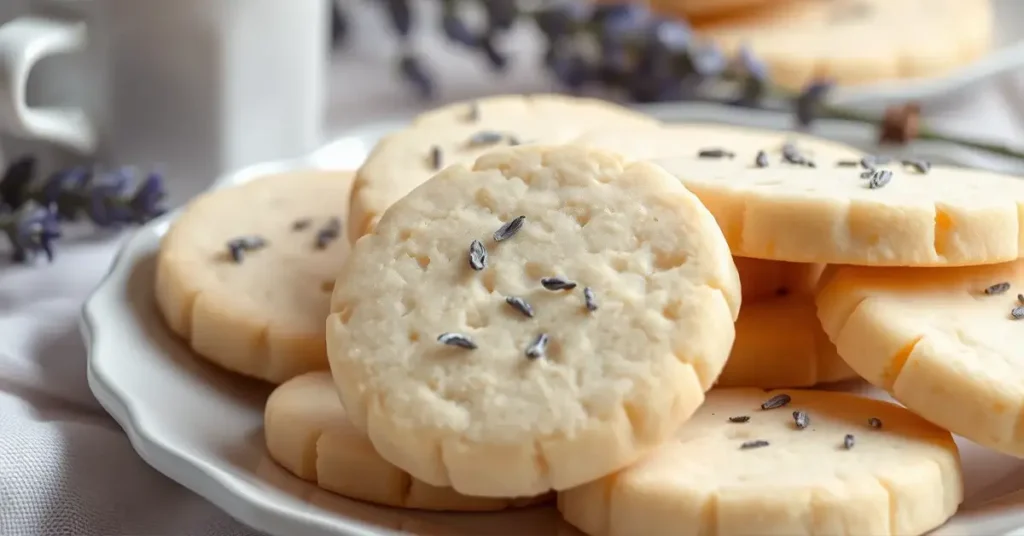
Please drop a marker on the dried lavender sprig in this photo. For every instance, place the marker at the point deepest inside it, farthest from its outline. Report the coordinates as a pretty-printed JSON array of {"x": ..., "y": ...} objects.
[
  {"x": 628, "y": 30},
  {"x": 31, "y": 209}
]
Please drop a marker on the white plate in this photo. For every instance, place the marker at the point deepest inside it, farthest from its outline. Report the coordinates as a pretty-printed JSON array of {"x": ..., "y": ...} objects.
[{"x": 203, "y": 427}]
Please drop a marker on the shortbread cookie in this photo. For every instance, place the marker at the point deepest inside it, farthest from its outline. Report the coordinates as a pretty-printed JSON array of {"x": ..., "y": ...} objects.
[
  {"x": 764, "y": 280},
  {"x": 308, "y": 433},
  {"x": 536, "y": 322},
  {"x": 855, "y": 42},
  {"x": 946, "y": 343},
  {"x": 780, "y": 343},
  {"x": 782, "y": 462},
  {"x": 245, "y": 274},
  {"x": 461, "y": 132},
  {"x": 840, "y": 211}
]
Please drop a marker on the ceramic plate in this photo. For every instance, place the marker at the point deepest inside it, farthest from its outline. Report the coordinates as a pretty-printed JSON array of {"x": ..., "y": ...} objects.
[{"x": 203, "y": 427}]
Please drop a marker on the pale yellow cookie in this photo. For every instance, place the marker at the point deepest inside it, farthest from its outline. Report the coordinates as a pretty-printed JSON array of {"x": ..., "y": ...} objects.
[
  {"x": 938, "y": 342},
  {"x": 763, "y": 280},
  {"x": 779, "y": 341},
  {"x": 463, "y": 131},
  {"x": 834, "y": 212},
  {"x": 308, "y": 433},
  {"x": 856, "y": 42},
  {"x": 549, "y": 392},
  {"x": 843, "y": 465},
  {"x": 261, "y": 315}
]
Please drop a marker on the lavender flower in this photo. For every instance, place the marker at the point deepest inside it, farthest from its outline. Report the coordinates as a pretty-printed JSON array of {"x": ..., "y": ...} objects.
[
  {"x": 414, "y": 73},
  {"x": 810, "y": 100},
  {"x": 108, "y": 199},
  {"x": 14, "y": 185},
  {"x": 400, "y": 16},
  {"x": 33, "y": 231}
]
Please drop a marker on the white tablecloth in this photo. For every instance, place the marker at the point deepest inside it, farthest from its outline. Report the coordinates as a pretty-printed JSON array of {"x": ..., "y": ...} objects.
[{"x": 66, "y": 468}]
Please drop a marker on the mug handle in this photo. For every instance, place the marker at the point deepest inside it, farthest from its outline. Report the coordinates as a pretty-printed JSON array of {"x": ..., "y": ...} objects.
[{"x": 24, "y": 42}]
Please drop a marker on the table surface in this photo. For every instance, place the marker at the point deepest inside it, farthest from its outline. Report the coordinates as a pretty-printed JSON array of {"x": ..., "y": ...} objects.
[{"x": 66, "y": 467}]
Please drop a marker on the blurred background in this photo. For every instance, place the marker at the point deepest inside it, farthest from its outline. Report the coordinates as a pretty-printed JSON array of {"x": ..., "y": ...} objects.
[{"x": 201, "y": 87}]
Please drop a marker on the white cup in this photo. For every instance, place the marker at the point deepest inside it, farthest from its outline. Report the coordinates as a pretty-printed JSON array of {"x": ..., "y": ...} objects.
[{"x": 197, "y": 86}]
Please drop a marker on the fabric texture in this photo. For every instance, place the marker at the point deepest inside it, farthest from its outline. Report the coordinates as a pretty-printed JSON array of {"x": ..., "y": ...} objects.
[{"x": 66, "y": 468}]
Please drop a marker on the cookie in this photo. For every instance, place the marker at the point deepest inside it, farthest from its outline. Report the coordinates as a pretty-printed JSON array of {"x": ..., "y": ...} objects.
[
  {"x": 703, "y": 9},
  {"x": 841, "y": 210},
  {"x": 245, "y": 274},
  {"x": 779, "y": 341},
  {"x": 532, "y": 323},
  {"x": 463, "y": 131},
  {"x": 824, "y": 463},
  {"x": 857, "y": 42},
  {"x": 943, "y": 342},
  {"x": 764, "y": 280},
  {"x": 308, "y": 433}
]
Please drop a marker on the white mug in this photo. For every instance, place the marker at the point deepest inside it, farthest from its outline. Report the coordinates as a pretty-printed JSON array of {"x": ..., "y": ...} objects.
[{"x": 197, "y": 86}]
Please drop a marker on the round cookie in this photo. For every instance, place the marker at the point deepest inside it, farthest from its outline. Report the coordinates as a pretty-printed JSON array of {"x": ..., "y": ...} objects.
[
  {"x": 628, "y": 293},
  {"x": 943, "y": 342},
  {"x": 780, "y": 343},
  {"x": 835, "y": 213},
  {"x": 463, "y": 131},
  {"x": 859, "y": 466},
  {"x": 245, "y": 274},
  {"x": 779, "y": 340},
  {"x": 308, "y": 433},
  {"x": 801, "y": 41}
]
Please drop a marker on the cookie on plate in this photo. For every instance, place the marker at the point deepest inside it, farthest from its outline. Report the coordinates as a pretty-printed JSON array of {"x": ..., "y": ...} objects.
[
  {"x": 245, "y": 274},
  {"x": 540, "y": 320},
  {"x": 463, "y": 131},
  {"x": 805, "y": 201},
  {"x": 782, "y": 462},
  {"x": 779, "y": 340},
  {"x": 943, "y": 342},
  {"x": 308, "y": 433},
  {"x": 856, "y": 42}
]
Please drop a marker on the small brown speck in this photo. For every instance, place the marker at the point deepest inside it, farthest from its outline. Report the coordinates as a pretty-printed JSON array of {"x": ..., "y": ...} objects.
[
  {"x": 436, "y": 158},
  {"x": 755, "y": 444},
  {"x": 740, "y": 418},
  {"x": 301, "y": 224},
  {"x": 875, "y": 423}
]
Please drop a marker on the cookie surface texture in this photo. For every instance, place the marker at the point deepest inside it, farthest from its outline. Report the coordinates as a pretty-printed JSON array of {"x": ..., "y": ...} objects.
[
  {"x": 801, "y": 41},
  {"x": 766, "y": 475},
  {"x": 308, "y": 433},
  {"x": 505, "y": 411},
  {"x": 909, "y": 214},
  {"x": 937, "y": 342},
  {"x": 463, "y": 131},
  {"x": 263, "y": 314}
]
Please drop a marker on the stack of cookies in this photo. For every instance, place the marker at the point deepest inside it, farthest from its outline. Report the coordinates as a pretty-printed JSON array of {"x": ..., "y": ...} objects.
[
  {"x": 851, "y": 42},
  {"x": 550, "y": 298}
]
